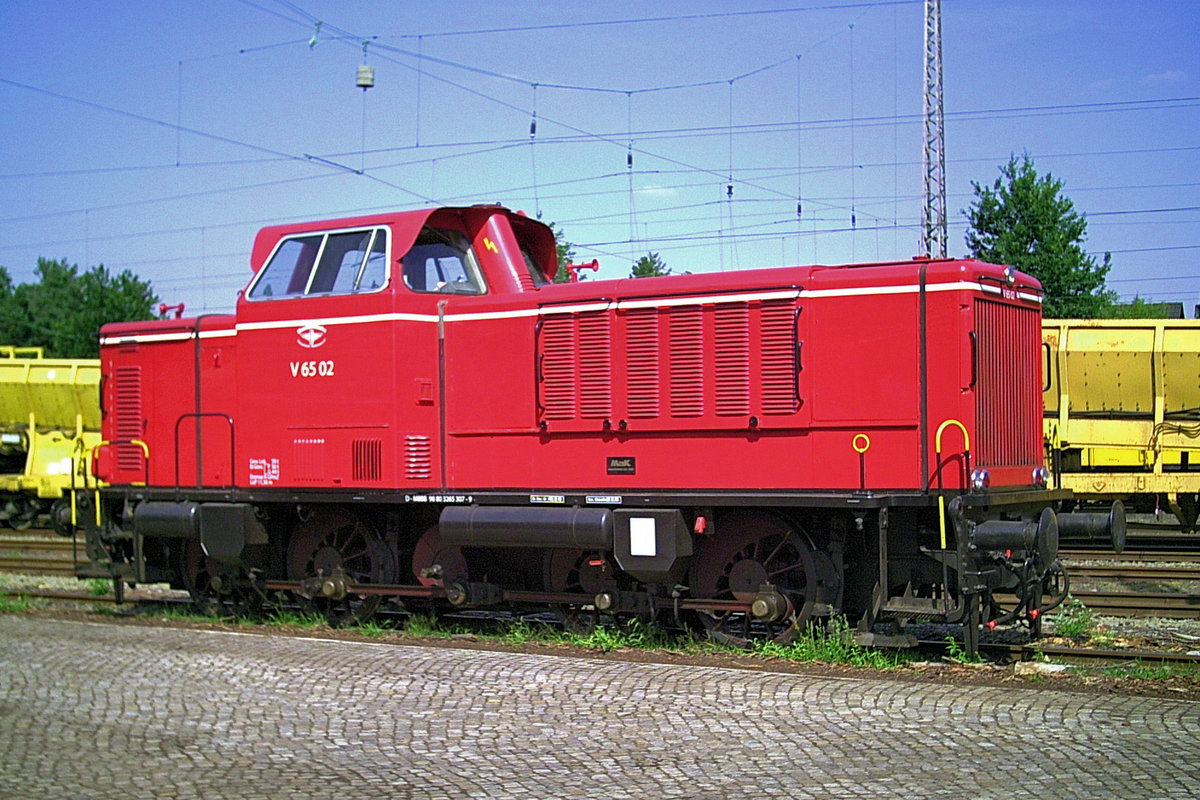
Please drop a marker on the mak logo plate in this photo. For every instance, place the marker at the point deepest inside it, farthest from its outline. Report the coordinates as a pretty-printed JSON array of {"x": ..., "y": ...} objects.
[{"x": 622, "y": 465}]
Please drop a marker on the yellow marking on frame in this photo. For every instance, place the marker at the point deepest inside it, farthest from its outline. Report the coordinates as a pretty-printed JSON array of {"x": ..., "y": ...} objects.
[{"x": 490, "y": 245}]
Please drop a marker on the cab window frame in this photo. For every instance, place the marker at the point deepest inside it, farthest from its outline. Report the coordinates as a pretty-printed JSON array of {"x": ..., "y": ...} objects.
[
  {"x": 416, "y": 276},
  {"x": 315, "y": 273}
]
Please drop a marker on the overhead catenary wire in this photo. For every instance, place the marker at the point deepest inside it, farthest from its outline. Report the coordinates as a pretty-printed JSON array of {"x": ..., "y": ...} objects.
[{"x": 296, "y": 13}]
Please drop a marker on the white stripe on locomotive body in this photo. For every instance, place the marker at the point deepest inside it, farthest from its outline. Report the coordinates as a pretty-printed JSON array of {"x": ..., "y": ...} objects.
[
  {"x": 155, "y": 338},
  {"x": 357, "y": 320},
  {"x": 570, "y": 308},
  {"x": 745, "y": 297}
]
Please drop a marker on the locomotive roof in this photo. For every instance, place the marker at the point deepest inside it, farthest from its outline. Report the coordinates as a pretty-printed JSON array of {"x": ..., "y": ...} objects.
[{"x": 406, "y": 225}]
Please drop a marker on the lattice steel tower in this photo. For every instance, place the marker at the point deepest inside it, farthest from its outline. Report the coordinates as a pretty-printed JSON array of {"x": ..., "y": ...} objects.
[{"x": 933, "y": 195}]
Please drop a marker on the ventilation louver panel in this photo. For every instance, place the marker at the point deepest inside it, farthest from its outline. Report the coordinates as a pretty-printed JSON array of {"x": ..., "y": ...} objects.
[
  {"x": 686, "y": 332},
  {"x": 309, "y": 459},
  {"x": 367, "y": 459},
  {"x": 1008, "y": 376},
  {"x": 595, "y": 365},
  {"x": 642, "y": 363},
  {"x": 778, "y": 326},
  {"x": 130, "y": 419},
  {"x": 732, "y": 354},
  {"x": 418, "y": 458},
  {"x": 559, "y": 368}
]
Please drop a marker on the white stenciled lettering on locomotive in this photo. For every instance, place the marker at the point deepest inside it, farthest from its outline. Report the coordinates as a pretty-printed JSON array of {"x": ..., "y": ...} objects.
[
  {"x": 311, "y": 369},
  {"x": 264, "y": 471}
]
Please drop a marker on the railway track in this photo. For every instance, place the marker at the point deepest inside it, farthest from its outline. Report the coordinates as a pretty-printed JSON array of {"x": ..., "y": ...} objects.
[
  {"x": 1086, "y": 655},
  {"x": 1005, "y": 653},
  {"x": 36, "y": 553},
  {"x": 1134, "y": 572},
  {"x": 1076, "y": 555},
  {"x": 1168, "y": 605}
]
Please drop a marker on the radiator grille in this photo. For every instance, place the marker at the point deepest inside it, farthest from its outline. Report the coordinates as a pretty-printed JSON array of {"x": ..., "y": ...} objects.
[
  {"x": 127, "y": 408},
  {"x": 1008, "y": 373}
]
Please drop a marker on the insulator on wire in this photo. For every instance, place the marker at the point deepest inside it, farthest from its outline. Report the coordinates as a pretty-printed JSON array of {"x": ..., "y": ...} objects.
[
  {"x": 629, "y": 158},
  {"x": 533, "y": 126},
  {"x": 366, "y": 76},
  {"x": 799, "y": 207},
  {"x": 366, "y": 73},
  {"x": 729, "y": 190}
]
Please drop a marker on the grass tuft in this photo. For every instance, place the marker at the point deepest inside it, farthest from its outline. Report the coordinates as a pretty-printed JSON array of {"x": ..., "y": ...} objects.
[
  {"x": 284, "y": 618},
  {"x": 831, "y": 643},
  {"x": 16, "y": 604},
  {"x": 99, "y": 587},
  {"x": 1075, "y": 620},
  {"x": 372, "y": 628}
]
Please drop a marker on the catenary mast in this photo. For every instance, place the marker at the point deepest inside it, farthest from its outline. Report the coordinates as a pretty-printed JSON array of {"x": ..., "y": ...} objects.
[{"x": 933, "y": 196}]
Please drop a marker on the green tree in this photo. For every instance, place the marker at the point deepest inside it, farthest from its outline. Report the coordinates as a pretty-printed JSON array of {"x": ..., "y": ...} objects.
[
  {"x": 64, "y": 310},
  {"x": 1137, "y": 308},
  {"x": 649, "y": 266},
  {"x": 566, "y": 254},
  {"x": 1024, "y": 221}
]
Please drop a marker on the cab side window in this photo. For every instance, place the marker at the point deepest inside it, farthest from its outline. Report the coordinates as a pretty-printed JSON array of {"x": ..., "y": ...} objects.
[
  {"x": 442, "y": 260},
  {"x": 346, "y": 262}
]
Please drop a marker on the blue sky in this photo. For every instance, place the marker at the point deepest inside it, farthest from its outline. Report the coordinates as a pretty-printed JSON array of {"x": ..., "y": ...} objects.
[{"x": 159, "y": 136}]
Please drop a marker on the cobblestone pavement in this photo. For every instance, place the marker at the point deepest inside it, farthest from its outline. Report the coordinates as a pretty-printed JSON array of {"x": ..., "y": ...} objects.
[{"x": 102, "y": 711}]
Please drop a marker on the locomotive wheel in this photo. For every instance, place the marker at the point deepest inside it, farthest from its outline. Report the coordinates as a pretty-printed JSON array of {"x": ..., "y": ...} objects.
[
  {"x": 216, "y": 589},
  {"x": 333, "y": 544},
  {"x": 431, "y": 552},
  {"x": 21, "y": 514},
  {"x": 751, "y": 549},
  {"x": 584, "y": 571}
]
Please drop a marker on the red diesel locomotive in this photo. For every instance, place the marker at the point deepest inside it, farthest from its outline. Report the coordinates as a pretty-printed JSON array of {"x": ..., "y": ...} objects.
[{"x": 406, "y": 406}]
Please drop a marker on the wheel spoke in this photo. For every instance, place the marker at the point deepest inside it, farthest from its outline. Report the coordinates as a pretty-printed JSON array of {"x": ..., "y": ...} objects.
[
  {"x": 782, "y": 541},
  {"x": 785, "y": 569},
  {"x": 752, "y": 548},
  {"x": 333, "y": 542}
]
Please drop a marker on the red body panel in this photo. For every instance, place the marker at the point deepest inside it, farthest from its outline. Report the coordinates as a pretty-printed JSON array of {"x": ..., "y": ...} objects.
[{"x": 747, "y": 381}]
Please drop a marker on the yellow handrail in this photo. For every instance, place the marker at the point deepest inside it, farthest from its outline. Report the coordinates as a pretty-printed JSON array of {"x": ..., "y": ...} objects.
[
  {"x": 938, "y": 450},
  {"x": 88, "y": 451}
]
